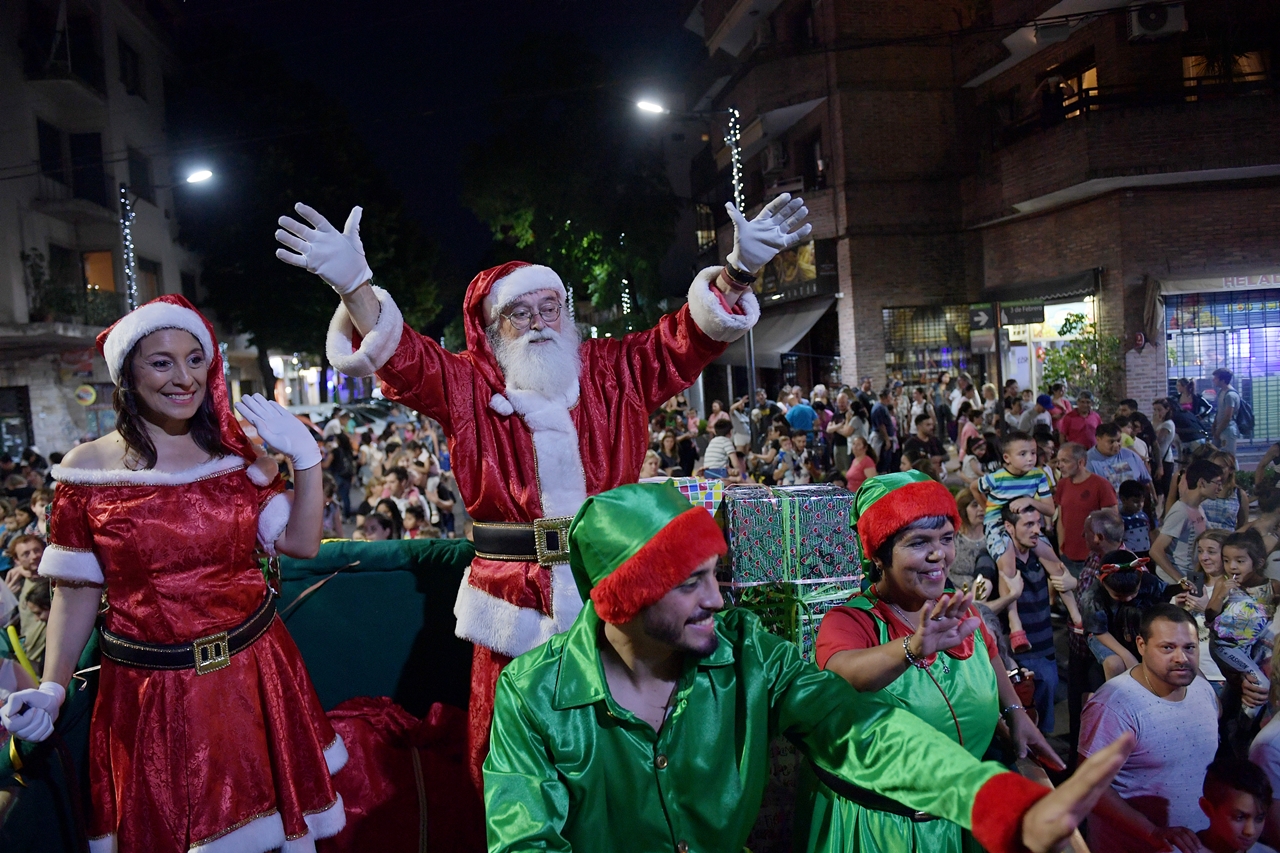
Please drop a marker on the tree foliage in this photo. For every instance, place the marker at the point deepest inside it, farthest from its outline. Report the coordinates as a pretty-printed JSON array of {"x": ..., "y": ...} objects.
[
  {"x": 275, "y": 141},
  {"x": 568, "y": 181},
  {"x": 1090, "y": 361}
]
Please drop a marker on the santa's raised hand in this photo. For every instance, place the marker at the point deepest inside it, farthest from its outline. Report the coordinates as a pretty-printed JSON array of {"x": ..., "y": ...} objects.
[
  {"x": 779, "y": 225},
  {"x": 336, "y": 256}
]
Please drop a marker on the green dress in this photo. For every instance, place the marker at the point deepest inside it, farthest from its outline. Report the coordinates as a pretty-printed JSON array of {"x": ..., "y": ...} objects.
[{"x": 838, "y": 825}]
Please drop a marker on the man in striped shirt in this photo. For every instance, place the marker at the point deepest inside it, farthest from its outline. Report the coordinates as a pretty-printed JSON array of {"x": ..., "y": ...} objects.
[{"x": 1022, "y": 523}]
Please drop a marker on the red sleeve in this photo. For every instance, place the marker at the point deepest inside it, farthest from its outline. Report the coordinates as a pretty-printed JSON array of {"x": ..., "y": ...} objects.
[
  {"x": 993, "y": 650},
  {"x": 667, "y": 359},
  {"x": 844, "y": 629},
  {"x": 1106, "y": 493},
  {"x": 69, "y": 518},
  {"x": 425, "y": 376}
]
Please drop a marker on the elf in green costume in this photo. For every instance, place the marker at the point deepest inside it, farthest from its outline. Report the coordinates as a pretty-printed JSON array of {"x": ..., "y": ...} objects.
[
  {"x": 645, "y": 727},
  {"x": 915, "y": 648}
]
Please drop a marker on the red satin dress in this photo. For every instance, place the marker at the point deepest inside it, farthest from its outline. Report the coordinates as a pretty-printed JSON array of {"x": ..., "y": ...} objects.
[{"x": 238, "y": 759}]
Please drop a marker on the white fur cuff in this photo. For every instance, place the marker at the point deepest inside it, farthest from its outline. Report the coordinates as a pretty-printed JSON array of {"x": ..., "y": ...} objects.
[
  {"x": 65, "y": 564},
  {"x": 335, "y": 755},
  {"x": 377, "y": 347},
  {"x": 511, "y": 630},
  {"x": 272, "y": 521},
  {"x": 710, "y": 316}
]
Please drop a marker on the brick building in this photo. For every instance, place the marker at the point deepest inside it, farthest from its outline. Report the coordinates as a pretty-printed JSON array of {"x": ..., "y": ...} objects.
[{"x": 1075, "y": 156}]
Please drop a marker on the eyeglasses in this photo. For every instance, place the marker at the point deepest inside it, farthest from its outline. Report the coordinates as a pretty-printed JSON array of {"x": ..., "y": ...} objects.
[{"x": 522, "y": 317}]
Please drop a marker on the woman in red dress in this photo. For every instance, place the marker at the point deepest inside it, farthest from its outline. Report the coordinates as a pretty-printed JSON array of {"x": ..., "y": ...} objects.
[{"x": 207, "y": 734}]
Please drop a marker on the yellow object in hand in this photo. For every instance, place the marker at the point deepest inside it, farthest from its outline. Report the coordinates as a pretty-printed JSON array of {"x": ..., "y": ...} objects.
[{"x": 21, "y": 654}]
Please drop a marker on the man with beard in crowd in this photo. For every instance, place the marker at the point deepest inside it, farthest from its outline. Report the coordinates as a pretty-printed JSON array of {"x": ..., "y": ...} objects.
[{"x": 537, "y": 420}]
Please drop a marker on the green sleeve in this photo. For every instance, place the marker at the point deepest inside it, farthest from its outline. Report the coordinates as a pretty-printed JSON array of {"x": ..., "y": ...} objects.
[
  {"x": 525, "y": 801},
  {"x": 864, "y": 740}
]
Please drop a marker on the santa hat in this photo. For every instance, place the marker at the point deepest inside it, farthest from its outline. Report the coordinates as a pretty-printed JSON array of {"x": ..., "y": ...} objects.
[
  {"x": 509, "y": 282},
  {"x": 886, "y": 504},
  {"x": 630, "y": 546},
  {"x": 175, "y": 312}
]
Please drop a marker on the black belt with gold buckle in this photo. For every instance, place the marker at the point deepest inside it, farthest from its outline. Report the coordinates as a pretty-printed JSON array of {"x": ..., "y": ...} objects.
[
  {"x": 205, "y": 655},
  {"x": 544, "y": 541}
]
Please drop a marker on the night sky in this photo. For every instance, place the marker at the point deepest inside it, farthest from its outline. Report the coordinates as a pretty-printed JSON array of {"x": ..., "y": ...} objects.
[{"x": 418, "y": 77}]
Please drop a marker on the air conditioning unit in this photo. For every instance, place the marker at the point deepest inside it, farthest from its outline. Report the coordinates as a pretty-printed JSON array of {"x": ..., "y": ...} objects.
[
  {"x": 1150, "y": 21},
  {"x": 773, "y": 158}
]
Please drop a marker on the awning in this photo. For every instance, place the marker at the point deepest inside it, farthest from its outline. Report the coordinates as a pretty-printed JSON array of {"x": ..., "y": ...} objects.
[
  {"x": 778, "y": 331},
  {"x": 1078, "y": 284},
  {"x": 1264, "y": 280}
]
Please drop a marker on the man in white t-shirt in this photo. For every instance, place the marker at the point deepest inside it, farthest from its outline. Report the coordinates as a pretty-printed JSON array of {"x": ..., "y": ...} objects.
[
  {"x": 1153, "y": 802},
  {"x": 1225, "y": 431},
  {"x": 1174, "y": 549}
]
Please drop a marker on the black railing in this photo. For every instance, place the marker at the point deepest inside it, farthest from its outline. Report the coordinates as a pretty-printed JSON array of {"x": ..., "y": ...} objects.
[
  {"x": 1082, "y": 104},
  {"x": 71, "y": 304}
]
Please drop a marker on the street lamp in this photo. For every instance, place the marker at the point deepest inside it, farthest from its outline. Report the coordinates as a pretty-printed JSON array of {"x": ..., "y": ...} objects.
[
  {"x": 733, "y": 139},
  {"x": 127, "y": 215}
]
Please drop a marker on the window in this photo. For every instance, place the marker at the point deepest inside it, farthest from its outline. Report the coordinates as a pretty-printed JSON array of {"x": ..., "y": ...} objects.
[
  {"x": 815, "y": 165},
  {"x": 189, "y": 286},
  {"x": 705, "y": 227},
  {"x": 53, "y": 163},
  {"x": 99, "y": 271},
  {"x": 130, "y": 69},
  {"x": 148, "y": 280},
  {"x": 922, "y": 341},
  {"x": 140, "y": 176},
  {"x": 15, "y": 421},
  {"x": 88, "y": 175}
]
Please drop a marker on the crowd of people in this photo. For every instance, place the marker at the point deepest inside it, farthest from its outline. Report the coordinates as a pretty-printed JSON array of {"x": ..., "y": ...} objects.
[{"x": 1128, "y": 534}]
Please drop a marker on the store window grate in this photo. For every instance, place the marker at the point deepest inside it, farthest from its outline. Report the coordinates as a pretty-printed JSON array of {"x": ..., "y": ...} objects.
[
  {"x": 923, "y": 340},
  {"x": 1237, "y": 330}
]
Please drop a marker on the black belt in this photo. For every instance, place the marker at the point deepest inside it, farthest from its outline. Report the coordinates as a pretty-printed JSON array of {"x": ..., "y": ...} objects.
[
  {"x": 869, "y": 799},
  {"x": 204, "y": 655},
  {"x": 544, "y": 541}
]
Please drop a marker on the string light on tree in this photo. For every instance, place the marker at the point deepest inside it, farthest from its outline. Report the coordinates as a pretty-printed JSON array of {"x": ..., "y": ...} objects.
[
  {"x": 626, "y": 297},
  {"x": 126, "y": 240},
  {"x": 732, "y": 139}
]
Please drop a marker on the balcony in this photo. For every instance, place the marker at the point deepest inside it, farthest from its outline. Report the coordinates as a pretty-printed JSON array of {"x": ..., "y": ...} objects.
[
  {"x": 85, "y": 203},
  {"x": 1110, "y": 138}
]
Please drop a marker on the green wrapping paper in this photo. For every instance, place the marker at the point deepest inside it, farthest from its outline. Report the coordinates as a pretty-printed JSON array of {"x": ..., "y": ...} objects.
[{"x": 792, "y": 556}]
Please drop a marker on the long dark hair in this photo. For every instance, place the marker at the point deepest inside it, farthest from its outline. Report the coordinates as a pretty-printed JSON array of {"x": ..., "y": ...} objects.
[{"x": 204, "y": 423}]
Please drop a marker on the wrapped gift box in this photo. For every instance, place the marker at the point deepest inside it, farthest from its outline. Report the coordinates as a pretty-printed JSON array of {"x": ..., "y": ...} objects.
[
  {"x": 707, "y": 494},
  {"x": 793, "y": 555}
]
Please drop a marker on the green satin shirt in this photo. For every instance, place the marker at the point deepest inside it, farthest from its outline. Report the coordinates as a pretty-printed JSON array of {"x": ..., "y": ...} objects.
[{"x": 570, "y": 769}]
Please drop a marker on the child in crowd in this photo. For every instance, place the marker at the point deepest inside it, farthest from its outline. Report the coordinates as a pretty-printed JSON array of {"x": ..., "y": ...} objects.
[
  {"x": 1113, "y": 609},
  {"x": 415, "y": 524},
  {"x": 1237, "y": 795},
  {"x": 1018, "y": 478},
  {"x": 1137, "y": 524},
  {"x": 1241, "y": 609}
]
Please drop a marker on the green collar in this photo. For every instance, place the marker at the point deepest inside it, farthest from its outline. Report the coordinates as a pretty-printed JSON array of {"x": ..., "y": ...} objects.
[{"x": 581, "y": 678}]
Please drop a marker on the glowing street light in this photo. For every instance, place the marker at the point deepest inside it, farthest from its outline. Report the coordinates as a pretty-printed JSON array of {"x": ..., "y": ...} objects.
[
  {"x": 651, "y": 107},
  {"x": 199, "y": 176}
]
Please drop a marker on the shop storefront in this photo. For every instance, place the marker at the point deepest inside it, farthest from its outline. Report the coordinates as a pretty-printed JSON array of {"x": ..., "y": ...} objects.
[
  {"x": 1233, "y": 323},
  {"x": 921, "y": 342}
]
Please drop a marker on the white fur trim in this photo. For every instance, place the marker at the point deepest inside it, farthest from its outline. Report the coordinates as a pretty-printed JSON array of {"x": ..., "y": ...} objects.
[
  {"x": 335, "y": 756},
  {"x": 144, "y": 320},
  {"x": 562, "y": 482},
  {"x": 501, "y": 405},
  {"x": 272, "y": 521},
  {"x": 709, "y": 314},
  {"x": 517, "y": 283},
  {"x": 511, "y": 630},
  {"x": 263, "y": 471},
  {"x": 106, "y": 844},
  {"x": 256, "y": 836},
  {"x": 65, "y": 564},
  {"x": 376, "y": 348},
  {"x": 147, "y": 476}
]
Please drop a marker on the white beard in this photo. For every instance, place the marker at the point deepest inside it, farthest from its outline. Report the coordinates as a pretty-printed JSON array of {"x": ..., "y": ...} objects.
[{"x": 547, "y": 369}]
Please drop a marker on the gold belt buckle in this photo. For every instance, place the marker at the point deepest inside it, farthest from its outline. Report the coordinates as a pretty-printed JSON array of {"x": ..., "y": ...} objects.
[
  {"x": 212, "y": 653},
  {"x": 551, "y": 540}
]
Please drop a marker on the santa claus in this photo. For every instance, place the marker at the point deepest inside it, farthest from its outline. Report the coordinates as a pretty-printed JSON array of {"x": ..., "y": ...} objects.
[{"x": 537, "y": 419}]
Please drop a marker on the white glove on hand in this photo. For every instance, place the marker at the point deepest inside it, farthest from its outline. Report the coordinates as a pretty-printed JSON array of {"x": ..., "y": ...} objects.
[
  {"x": 338, "y": 258},
  {"x": 281, "y": 430},
  {"x": 30, "y": 714},
  {"x": 775, "y": 228}
]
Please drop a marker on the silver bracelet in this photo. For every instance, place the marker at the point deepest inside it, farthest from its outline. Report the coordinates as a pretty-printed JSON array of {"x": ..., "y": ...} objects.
[
  {"x": 918, "y": 663},
  {"x": 1004, "y": 712}
]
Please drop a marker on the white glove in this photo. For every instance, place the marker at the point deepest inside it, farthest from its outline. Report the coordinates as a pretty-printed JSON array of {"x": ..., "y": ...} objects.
[
  {"x": 281, "y": 430},
  {"x": 338, "y": 258},
  {"x": 30, "y": 714},
  {"x": 775, "y": 228}
]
